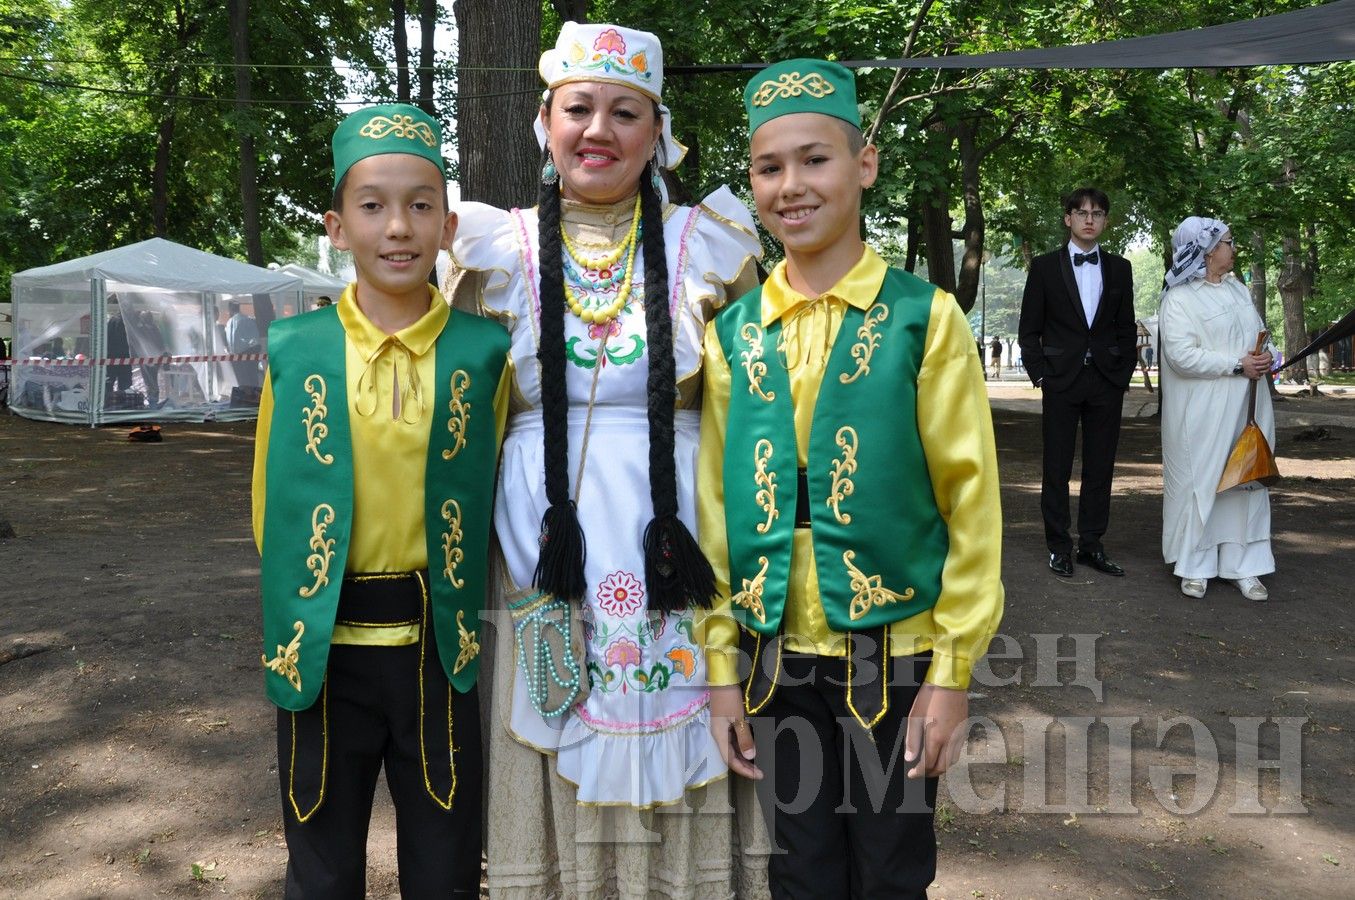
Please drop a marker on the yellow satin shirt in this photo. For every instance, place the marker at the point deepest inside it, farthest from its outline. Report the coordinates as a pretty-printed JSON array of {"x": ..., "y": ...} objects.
[
  {"x": 390, "y": 411},
  {"x": 956, "y": 429}
]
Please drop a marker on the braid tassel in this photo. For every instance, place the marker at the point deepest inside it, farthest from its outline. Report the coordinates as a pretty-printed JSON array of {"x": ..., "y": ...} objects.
[
  {"x": 559, "y": 568},
  {"x": 676, "y": 571}
]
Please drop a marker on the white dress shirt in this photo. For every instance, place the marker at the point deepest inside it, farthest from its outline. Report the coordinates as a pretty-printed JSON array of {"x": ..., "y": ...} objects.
[{"x": 1088, "y": 279}]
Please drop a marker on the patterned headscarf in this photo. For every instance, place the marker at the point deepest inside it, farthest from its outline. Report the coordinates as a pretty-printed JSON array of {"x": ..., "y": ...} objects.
[{"x": 1192, "y": 240}]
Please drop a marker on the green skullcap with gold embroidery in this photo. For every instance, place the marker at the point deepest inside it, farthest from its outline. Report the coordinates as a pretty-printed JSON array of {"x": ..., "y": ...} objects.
[
  {"x": 799, "y": 86},
  {"x": 388, "y": 128}
]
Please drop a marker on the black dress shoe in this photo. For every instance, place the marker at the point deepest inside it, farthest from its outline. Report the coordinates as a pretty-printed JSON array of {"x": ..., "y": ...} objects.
[
  {"x": 1061, "y": 564},
  {"x": 1098, "y": 561}
]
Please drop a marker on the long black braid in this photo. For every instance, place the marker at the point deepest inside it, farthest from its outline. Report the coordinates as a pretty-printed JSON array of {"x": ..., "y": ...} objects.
[
  {"x": 559, "y": 568},
  {"x": 676, "y": 572}
]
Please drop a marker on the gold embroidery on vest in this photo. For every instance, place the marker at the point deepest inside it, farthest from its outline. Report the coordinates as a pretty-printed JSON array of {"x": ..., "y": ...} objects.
[
  {"x": 470, "y": 648},
  {"x": 752, "y": 361},
  {"x": 322, "y": 549},
  {"x": 843, "y": 486},
  {"x": 285, "y": 662},
  {"x": 313, "y": 418},
  {"x": 766, "y": 482},
  {"x": 399, "y": 126},
  {"x": 750, "y": 598},
  {"x": 864, "y": 349},
  {"x": 451, "y": 540},
  {"x": 459, "y": 420},
  {"x": 792, "y": 84},
  {"x": 870, "y": 591}
]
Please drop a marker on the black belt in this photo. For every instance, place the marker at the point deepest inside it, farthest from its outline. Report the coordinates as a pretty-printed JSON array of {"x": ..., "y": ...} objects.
[
  {"x": 382, "y": 599},
  {"x": 802, "y": 500}
]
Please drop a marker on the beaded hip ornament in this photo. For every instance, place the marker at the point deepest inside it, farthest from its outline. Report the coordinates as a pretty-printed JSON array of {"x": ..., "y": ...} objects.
[{"x": 585, "y": 291}]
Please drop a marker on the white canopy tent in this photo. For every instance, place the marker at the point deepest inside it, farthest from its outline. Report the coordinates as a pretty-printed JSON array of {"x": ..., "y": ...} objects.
[
  {"x": 154, "y": 331},
  {"x": 314, "y": 285}
]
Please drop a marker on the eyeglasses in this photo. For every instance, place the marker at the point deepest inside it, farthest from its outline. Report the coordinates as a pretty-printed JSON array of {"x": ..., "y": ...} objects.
[{"x": 1082, "y": 215}]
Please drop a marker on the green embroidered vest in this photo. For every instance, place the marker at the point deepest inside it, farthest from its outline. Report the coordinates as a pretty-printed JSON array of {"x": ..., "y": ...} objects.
[
  {"x": 879, "y": 541},
  {"x": 309, "y": 496}
]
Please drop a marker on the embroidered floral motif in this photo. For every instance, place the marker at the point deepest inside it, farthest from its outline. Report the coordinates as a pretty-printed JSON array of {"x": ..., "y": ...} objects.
[
  {"x": 470, "y": 647},
  {"x": 620, "y": 594},
  {"x": 451, "y": 543},
  {"x": 587, "y": 357},
  {"x": 313, "y": 416},
  {"x": 610, "y": 41},
  {"x": 870, "y": 589},
  {"x": 865, "y": 348},
  {"x": 623, "y": 652},
  {"x": 459, "y": 408},
  {"x": 792, "y": 84},
  {"x": 400, "y": 126},
  {"x": 753, "y": 365},
  {"x": 286, "y": 661},
  {"x": 842, "y": 486},
  {"x": 750, "y": 598},
  {"x": 322, "y": 549},
  {"x": 684, "y": 661},
  {"x": 611, "y": 328},
  {"x": 766, "y": 482}
]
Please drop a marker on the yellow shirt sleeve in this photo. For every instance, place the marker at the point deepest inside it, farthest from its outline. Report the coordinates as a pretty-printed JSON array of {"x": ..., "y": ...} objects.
[
  {"x": 956, "y": 427},
  {"x": 502, "y": 395},
  {"x": 718, "y": 632},
  {"x": 259, "y": 481}
]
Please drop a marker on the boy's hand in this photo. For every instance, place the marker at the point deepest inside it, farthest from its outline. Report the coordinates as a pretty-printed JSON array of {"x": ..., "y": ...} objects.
[
  {"x": 732, "y": 733},
  {"x": 933, "y": 728}
]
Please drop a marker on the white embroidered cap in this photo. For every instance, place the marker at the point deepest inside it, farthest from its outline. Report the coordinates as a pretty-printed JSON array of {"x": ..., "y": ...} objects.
[{"x": 599, "y": 51}]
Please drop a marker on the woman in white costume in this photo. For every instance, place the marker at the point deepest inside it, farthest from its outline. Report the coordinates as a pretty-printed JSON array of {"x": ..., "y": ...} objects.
[
  {"x": 1207, "y": 332},
  {"x": 606, "y": 289}
]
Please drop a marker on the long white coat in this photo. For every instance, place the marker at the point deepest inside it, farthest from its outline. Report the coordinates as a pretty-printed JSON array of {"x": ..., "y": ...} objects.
[{"x": 1203, "y": 330}]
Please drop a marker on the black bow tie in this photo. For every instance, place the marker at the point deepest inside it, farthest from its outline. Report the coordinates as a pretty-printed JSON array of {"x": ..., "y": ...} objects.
[{"x": 1080, "y": 258}]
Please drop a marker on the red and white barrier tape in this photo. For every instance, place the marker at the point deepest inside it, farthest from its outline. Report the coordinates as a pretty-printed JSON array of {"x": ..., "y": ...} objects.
[{"x": 136, "y": 360}]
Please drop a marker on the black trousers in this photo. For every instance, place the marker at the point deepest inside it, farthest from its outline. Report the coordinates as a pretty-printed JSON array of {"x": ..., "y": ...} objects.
[
  {"x": 369, "y": 715},
  {"x": 845, "y": 821},
  {"x": 1095, "y": 403}
]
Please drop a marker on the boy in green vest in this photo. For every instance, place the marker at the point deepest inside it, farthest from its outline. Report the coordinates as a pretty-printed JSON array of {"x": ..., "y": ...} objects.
[
  {"x": 848, "y": 501},
  {"x": 379, "y": 430}
]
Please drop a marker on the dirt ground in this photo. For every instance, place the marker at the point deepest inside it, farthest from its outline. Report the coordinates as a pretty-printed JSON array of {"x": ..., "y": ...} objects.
[{"x": 137, "y": 753}]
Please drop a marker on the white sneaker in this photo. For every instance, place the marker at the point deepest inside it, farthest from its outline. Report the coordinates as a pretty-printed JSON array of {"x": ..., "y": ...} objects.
[
  {"x": 1252, "y": 588},
  {"x": 1194, "y": 587}
]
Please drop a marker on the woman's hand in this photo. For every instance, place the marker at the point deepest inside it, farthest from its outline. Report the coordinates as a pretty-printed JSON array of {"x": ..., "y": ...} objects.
[{"x": 1256, "y": 365}]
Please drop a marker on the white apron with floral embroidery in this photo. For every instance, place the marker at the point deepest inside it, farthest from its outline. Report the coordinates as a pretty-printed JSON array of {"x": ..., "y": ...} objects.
[{"x": 642, "y": 736}]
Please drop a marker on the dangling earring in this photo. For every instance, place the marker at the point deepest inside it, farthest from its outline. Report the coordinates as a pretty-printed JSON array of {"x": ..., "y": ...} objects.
[
  {"x": 655, "y": 176},
  {"x": 549, "y": 174}
]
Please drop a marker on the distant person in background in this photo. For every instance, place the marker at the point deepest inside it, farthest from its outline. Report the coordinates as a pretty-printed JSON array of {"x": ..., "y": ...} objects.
[
  {"x": 996, "y": 348},
  {"x": 147, "y": 342},
  {"x": 322, "y": 302},
  {"x": 1077, "y": 338},
  {"x": 1207, "y": 328},
  {"x": 119, "y": 376},
  {"x": 242, "y": 337}
]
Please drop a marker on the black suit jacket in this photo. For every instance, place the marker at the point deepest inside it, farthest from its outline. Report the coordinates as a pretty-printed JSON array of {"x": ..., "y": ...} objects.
[{"x": 1053, "y": 333}]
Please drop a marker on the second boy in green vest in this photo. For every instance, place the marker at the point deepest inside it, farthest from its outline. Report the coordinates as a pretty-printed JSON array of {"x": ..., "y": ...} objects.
[
  {"x": 848, "y": 501},
  {"x": 379, "y": 429}
]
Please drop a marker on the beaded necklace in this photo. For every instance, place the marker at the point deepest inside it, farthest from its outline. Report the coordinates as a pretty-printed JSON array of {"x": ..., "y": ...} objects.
[{"x": 582, "y": 290}]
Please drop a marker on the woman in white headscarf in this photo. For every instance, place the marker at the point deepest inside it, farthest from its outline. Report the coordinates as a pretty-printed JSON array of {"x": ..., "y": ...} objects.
[
  {"x": 1207, "y": 330},
  {"x": 598, "y": 758}
]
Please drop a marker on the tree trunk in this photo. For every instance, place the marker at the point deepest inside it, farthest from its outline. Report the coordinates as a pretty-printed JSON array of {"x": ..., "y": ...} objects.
[
  {"x": 401, "y": 37},
  {"x": 1258, "y": 272},
  {"x": 428, "y": 23},
  {"x": 971, "y": 263},
  {"x": 497, "y": 96},
  {"x": 160, "y": 175},
  {"x": 1294, "y": 285},
  {"x": 249, "y": 175},
  {"x": 936, "y": 221},
  {"x": 914, "y": 234}
]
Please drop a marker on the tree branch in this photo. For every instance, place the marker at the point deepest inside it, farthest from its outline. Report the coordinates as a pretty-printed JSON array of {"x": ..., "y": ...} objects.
[{"x": 898, "y": 76}]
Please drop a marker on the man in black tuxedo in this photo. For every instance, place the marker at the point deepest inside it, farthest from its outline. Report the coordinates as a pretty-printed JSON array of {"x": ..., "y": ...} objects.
[{"x": 1077, "y": 337}]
